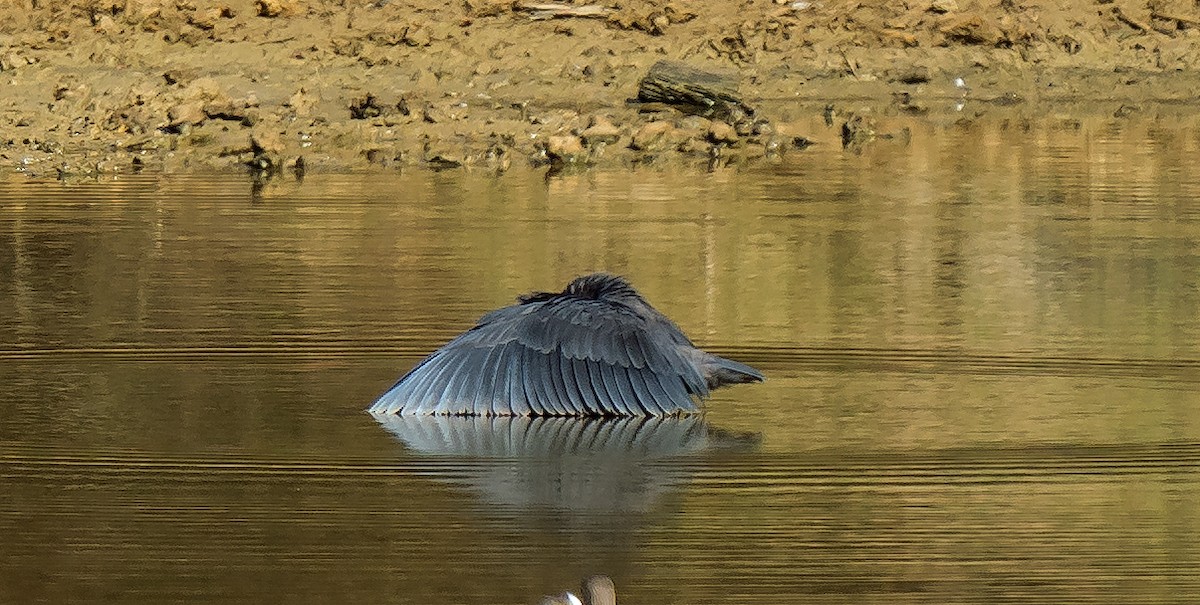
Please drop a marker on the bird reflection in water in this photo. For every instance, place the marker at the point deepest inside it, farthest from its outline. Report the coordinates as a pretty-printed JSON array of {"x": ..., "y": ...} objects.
[
  {"x": 591, "y": 483},
  {"x": 585, "y": 465}
]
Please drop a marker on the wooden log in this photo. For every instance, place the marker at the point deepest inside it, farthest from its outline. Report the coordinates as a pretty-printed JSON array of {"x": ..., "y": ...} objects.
[
  {"x": 693, "y": 90},
  {"x": 556, "y": 10}
]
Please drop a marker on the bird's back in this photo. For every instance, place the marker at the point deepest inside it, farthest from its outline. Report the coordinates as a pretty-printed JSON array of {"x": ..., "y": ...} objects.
[{"x": 595, "y": 349}]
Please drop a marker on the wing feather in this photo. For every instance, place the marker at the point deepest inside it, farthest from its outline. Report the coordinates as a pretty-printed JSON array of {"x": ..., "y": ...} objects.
[
  {"x": 438, "y": 384},
  {"x": 633, "y": 350},
  {"x": 459, "y": 394},
  {"x": 645, "y": 398},
  {"x": 621, "y": 377},
  {"x": 565, "y": 368},
  {"x": 525, "y": 381},
  {"x": 514, "y": 375},
  {"x": 559, "y": 356},
  {"x": 658, "y": 394},
  {"x": 616, "y": 401},
  {"x": 587, "y": 391},
  {"x": 543, "y": 383},
  {"x": 677, "y": 391},
  {"x": 485, "y": 388},
  {"x": 569, "y": 398},
  {"x": 600, "y": 393}
]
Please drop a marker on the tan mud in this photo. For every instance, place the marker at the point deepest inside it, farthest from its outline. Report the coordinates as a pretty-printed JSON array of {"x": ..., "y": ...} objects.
[{"x": 92, "y": 87}]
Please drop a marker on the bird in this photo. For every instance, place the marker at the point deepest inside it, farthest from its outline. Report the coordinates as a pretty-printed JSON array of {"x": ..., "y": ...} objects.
[
  {"x": 595, "y": 349},
  {"x": 596, "y": 590}
]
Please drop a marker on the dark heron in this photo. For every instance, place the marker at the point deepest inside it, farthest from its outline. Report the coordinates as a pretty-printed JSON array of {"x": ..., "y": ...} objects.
[{"x": 595, "y": 349}]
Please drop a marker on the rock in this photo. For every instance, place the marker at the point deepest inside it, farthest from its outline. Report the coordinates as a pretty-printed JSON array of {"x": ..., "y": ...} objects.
[
  {"x": 654, "y": 136},
  {"x": 801, "y": 142},
  {"x": 207, "y": 19},
  {"x": 263, "y": 140},
  {"x": 12, "y": 61},
  {"x": 917, "y": 74},
  {"x": 204, "y": 89},
  {"x": 694, "y": 146},
  {"x": 364, "y": 107},
  {"x": 487, "y": 8},
  {"x": 275, "y": 8},
  {"x": 189, "y": 113},
  {"x": 566, "y": 149},
  {"x": 434, "y": 115},
  {"x": 105, "y": 24},
  {"x": 443, "y": 161},
  {"x": 303, "y": 101},
  {"x": 943, "y": 6},
  {"x": 600, "y": 130},
  {"x": 417, "y": 36},
  {"x": 720, "y": 133},
  {"x": 856, "y": 131},
  {"x": 970, "y": 28},
  {"x": 267, "y": 147},
  {"x": 227, "y": 109}
]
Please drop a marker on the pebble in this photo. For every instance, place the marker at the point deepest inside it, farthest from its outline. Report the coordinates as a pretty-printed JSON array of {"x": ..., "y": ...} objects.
[
  {"x": 721, "y": 133},
  {"x": 565, "y": 148},
  {"x": 600, "y": 130}
]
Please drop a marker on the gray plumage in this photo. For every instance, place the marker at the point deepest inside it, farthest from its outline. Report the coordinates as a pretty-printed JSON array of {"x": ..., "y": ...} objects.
[{"x": 595, "y": 349}]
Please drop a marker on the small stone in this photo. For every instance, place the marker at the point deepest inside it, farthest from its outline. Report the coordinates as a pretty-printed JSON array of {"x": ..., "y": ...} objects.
[
  {"x": 694, "y": 146},
  {"x": 189, "y": 113},
  {"x": 916, "y": 74},
  {"x": 11, "y": 61},
  {"x": 856, "y": 131},
  {"x": 207, "y": 19},
  {"x": 943, "y": 6},
  {"x": 721, "y": 133},
  {"x": 364, "y": 107},
  {"x": 417, "y": 36},
  {"x": 105, "y": 24},
  {"x": 263, "y": 140},
  {"x": 275, "y": 8},
  {"x": 600, "y": 130},
  {"x": 226, "y": 109},
  {"x": 970, "y": 28},
  {"x": 801, "y": 142},
  {"x": 565, "y": 148},
  {"x": 302, "y": 102},
  {"x": 434, "y": 115},
  {"x": 652, "y": 136},
  {"x": 204, "y": 89}
]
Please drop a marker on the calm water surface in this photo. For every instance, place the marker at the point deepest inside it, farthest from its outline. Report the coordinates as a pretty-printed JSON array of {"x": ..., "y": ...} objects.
[{"x": 982, "y": 348}]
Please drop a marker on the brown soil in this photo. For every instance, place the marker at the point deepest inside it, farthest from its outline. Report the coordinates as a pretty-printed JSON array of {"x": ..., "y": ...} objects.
[{"x": 112, "y": 86}]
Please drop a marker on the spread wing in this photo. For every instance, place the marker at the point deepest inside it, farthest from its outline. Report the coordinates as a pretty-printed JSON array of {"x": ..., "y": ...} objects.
[{"x": 559, "y": 357}]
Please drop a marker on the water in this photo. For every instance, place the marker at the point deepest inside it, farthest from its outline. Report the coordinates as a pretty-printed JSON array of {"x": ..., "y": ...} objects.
[{"x": 981, "y": 345}]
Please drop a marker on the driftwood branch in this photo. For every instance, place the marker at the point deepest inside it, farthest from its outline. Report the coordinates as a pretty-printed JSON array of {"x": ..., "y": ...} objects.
[
  {"x": 538, "y": 11},
  {"x": 694, "y": 90},
  {"x": 1130, "y": 21}
]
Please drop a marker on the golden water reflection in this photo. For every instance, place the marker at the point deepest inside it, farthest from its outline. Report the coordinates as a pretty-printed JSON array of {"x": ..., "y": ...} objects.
[{"x": 980, "y": 344}]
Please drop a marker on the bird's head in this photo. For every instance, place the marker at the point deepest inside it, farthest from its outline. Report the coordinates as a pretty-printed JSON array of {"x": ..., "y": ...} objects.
[
  {"x": 600, "y": 285},
  {"x": 595, "y": 286}
]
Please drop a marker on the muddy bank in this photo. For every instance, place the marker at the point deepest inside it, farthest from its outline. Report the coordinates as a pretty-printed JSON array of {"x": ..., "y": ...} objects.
[{"x": 115, "y": 86}]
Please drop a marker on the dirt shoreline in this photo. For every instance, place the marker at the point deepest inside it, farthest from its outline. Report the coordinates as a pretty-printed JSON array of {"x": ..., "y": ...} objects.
[{"x": 94, "y": 87}]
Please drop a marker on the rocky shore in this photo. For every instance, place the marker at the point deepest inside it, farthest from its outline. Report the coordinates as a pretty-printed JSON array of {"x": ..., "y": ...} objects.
[{"x": 101, "y": 87}]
